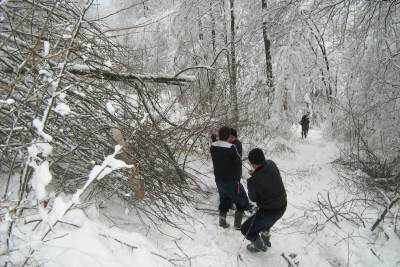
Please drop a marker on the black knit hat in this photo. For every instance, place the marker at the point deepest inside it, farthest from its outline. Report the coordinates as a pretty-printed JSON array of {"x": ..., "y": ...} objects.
[{"x": 256, "y": 156}]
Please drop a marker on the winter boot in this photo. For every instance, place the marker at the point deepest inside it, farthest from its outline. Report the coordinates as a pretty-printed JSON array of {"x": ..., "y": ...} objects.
[
  {"x": 266, "y": 237},
  {"x": 238, "y": 219},
  {"x": 257, "y": 245},
  {"x": 222, "y": 220}
]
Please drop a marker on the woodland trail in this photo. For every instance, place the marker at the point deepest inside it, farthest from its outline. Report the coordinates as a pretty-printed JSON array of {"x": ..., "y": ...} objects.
[{"x": 305, "y": 172}]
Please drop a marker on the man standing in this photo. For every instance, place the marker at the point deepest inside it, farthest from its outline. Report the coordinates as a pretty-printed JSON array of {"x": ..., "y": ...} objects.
[
  {"x": 233, "y": 139},
  {"x": 228, "y": 171},
  {"x": 305, "y": 124},
  {"x": 266, "y": 188}
]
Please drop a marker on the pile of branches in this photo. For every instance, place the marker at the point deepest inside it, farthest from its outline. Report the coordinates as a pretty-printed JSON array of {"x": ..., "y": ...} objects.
[{"x": 64, "y": 82}]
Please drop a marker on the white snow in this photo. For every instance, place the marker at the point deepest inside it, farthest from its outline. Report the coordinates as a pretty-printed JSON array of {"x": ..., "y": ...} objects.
[
  {"x": 144, "y": 119},
  {"x": 79, "y": 67},
  {"x": 8, "y": 101},
  {"x": 98, "y": 172},
  {"x": 110, "y": 108},
  {"x": 39, "y": 148},
  {"x": 67, "y": 36},
  {"x": 58, "y": 210},
  {"x": 40, "y": 179},
  {"x": 45, "y": 73},
  {"x": 39, "y": 125},
  {"x": 306, "y": 172},
  {"x": 46, "y": 48},
  {"x": 62, "y": 109},
  {"x": 114, "y": 236},
  {"x": 108, "y": 63},
  {"x": 307, "y": 99},
  {"x": 96, "y": 245},
  {"x": 79, "y": 93}
]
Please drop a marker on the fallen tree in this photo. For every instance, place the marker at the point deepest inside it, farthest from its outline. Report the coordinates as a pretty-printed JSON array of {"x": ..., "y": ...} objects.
[{"x": 58, "y": 116}]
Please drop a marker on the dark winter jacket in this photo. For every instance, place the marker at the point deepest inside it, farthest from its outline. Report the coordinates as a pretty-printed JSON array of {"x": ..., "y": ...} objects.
[
  {"x": 226, "y": 161},
  {"x": 239, "y": 147},
  {"x": 266, "y": 188},
  {"x": 305, "y": 121}
]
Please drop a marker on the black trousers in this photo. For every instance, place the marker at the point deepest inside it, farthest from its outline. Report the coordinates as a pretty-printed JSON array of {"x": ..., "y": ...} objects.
[
  {"x": 304, "y": 132},
  {"x": 260, "y": 221},
  {"x": 231, "y": 192}
]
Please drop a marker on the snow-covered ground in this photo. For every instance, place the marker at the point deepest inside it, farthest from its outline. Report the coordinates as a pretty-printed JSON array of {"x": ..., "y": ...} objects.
[
  {"x": 306, "y": 172},
  {"x": 114, "y": 236}
]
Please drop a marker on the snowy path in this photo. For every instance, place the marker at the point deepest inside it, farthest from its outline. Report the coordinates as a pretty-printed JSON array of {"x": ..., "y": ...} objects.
[{"x": 305, "y": 172}]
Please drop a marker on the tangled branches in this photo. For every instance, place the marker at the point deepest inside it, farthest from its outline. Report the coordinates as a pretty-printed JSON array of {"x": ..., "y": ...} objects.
[
  {"x": 362, "y": 206},
  {"x": 56, "y": 88}
]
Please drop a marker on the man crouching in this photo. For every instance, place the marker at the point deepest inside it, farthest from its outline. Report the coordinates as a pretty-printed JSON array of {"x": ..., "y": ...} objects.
[{"x": 265, "y": 187}]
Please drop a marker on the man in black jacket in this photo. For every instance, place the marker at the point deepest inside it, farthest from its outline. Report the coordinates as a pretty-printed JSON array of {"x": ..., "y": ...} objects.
[
  {"x": 233, "y": 139},
  {"x": 228, "y": 172},
  {"x": 266, "y": 188}
]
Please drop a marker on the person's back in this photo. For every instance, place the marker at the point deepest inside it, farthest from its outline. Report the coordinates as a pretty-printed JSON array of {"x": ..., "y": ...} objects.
[
  {"x": 305, "y": 121},
  {"x": 226, "y": 162},
  {"x": 266, "y": 187},
  {"x": 305, "y": 124}
]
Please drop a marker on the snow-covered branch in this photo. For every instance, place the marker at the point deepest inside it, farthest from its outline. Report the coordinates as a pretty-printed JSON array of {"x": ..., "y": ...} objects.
[{"x": 121, "y": 76}]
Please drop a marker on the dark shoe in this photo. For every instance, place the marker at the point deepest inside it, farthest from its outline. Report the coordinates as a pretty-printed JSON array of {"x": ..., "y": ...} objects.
[
  {"x": 266, "y": 236},
  {"x": 250, "y": 208},
  {"x": 222, "y": 220},
  {"x": 257, "y": 245},
  {"x": 238, "y": 219}
]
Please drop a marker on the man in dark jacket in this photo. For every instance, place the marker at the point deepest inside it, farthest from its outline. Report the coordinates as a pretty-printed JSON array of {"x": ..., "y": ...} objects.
[
  {"x": 305, "y": 125},
  {"x": 266, "y": 188},
  {"x": 233, "y": 139},
  {"x": 228, "y": 171}
]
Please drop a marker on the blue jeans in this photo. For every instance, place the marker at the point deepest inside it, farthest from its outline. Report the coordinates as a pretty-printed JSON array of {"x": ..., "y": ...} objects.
[
  {"x": 260, "y": 221},
  {"x": 231, "y": 192}
]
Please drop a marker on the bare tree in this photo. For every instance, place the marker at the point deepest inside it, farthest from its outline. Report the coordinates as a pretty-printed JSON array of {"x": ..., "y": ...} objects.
[{"x": 268, "y": 58}]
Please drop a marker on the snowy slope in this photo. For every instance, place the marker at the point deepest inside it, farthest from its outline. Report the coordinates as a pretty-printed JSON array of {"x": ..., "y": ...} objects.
[{"x": 115, "y": 236}]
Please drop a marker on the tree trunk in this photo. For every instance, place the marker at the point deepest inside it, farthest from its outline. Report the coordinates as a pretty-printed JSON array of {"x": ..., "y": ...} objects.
[
  {"x": 224, "y": 36},
  {"x": 200, "y": 24},
  {"x": 233, "y": 66},
  {"x": 268, "y": 59},
  {"x": 214, "y": 48}
]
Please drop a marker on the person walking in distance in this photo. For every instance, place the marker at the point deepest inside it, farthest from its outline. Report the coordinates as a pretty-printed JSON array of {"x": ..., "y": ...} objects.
[
  {"x": 305, "y": 125},
  {"x": 228, "y": 171},
  {"x": 266, "y": 189}
]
